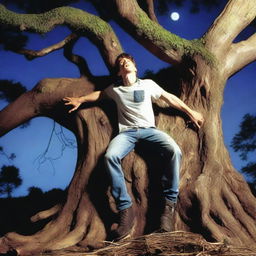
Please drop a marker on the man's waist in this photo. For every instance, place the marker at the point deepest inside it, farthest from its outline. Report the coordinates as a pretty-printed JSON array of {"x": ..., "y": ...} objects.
[{"x": 135, "y": 127}]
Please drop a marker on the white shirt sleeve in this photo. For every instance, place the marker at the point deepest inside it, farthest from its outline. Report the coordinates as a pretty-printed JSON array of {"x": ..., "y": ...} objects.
[{"x": 156, "y": 90}]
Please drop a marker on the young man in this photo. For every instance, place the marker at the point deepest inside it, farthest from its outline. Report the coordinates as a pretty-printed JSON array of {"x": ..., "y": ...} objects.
[{"x": 133, "y": 98}]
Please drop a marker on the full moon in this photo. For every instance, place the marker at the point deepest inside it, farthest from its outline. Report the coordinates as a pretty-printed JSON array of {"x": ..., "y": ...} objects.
[{"x": 175, "y": 16}]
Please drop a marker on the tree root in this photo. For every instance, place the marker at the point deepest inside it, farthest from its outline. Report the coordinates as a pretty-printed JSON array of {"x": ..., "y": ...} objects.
[
  {"x": 220, "y": 213},
  {"x": 46, "y": 214}
]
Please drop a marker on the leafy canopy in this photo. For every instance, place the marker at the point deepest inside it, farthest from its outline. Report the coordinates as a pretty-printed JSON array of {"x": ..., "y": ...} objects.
[
  {"x": 245, "y": 143},
  {"x": 9, "y": 179}
]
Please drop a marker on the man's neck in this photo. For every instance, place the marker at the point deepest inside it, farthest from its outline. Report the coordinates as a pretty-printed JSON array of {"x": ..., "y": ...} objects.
[{"x": 129, "y": 78}]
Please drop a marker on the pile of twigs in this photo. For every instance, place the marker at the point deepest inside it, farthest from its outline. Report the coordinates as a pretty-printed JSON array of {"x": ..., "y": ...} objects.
[{"x": 176, "y": 243}]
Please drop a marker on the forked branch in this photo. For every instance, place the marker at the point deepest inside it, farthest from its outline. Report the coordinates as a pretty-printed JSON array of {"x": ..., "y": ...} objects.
[
  {"x": 79, "y": 61},
  {"x": 84, "y": 23},
  {"x": 32, "y": 54},
  {"x": 240, "y": 55},
  {"x": 223, "y": 32},
  {"x": 162, "y": 43}
]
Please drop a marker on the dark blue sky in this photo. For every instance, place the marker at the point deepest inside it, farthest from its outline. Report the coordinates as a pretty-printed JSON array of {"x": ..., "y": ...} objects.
[{"x": 28, "y": 144}]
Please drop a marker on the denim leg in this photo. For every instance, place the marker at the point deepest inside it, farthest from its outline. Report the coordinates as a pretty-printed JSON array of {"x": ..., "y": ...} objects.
[
  {"x": 118, "y": 148},
  {"x": 171, "y": 152}
]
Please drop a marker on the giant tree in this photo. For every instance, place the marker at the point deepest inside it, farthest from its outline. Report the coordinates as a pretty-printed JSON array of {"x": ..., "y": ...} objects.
[{"x": 214, "y": 199}]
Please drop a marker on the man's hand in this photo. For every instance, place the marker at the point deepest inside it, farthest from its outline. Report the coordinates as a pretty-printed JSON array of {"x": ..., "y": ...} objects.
[
  {"x": 197, "y": 118},
  {"x": 75, "y": 102}
]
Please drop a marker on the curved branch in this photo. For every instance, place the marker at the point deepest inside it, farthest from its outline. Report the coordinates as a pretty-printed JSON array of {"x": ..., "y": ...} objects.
[
  {"x": 83, "y": 23},
  {"x": 222, "y": 33},
  {"x": 79, "y": 61},
  {"x": 46, "y": 213},
  {"x": 240, "y": 55},
  {"x": 68, "y": 44},
  {"x": 162, "y": 43},
  {"x": 17, "y": 112},
  {"x": 31, "y": 54},
  {"x": 41, "y": 101}
]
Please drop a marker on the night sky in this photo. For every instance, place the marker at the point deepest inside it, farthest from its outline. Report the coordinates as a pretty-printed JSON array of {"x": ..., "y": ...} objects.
[{"x": 29, "y": 143}]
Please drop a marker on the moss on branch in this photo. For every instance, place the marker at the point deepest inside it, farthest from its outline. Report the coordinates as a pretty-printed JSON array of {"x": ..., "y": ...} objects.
[
  {"x": 74, "y": 18},
  {"x": 166, "y": 40}
]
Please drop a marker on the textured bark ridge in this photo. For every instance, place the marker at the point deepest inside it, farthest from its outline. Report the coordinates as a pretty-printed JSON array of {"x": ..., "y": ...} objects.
[{"x": 214, "y": 199}]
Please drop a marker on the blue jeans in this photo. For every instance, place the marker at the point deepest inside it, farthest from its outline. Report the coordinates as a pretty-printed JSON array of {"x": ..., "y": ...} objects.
[{"x": 124, "y": 143}]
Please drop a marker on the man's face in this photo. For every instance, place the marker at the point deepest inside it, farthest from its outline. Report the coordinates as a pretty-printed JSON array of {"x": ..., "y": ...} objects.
[{"x": 126, "y": 66}]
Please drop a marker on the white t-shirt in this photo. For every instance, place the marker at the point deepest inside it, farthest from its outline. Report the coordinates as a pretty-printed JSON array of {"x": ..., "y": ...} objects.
[{"x": 134, "y": 103}]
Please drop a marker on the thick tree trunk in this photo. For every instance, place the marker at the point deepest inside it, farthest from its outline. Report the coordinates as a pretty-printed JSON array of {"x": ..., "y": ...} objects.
[
  {"x": 214, "y": 199},
  {"x": 211, "y": 200}
]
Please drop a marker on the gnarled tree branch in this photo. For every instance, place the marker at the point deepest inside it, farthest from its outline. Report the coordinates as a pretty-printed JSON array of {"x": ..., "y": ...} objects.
[
  {"x": 32, "y": 54},
  {"x": 67, "y": 44},
  {"x": 83, "y": 23},
  {"x": 240, "y": 55},
  {"x": 17, "y": 113},
  {"x": 162, "y": 43},
  {"x": 79, "y": 61},
  {"x": 223, "y": 32}
]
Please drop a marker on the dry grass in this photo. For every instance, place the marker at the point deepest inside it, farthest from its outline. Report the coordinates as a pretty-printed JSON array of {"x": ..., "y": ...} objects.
[{"x": 177, "y": 243}]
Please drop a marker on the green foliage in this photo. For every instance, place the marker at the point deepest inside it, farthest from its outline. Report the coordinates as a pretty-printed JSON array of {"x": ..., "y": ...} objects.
[
  {"x": 35, "y": 191},
  {"x": 245, "y": 142},
  {"x": 250, "y": 168},
  {"x": 9, "y": 179},
  {"x": 10, "y": 91},
  {"x": 12, "y": 41}
]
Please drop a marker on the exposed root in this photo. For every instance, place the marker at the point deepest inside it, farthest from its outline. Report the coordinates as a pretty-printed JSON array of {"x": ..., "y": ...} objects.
[
  {"x": 168, "y": 244},
  {"x": 46, "y": 214},
  {"x": 222, "y": 213}
]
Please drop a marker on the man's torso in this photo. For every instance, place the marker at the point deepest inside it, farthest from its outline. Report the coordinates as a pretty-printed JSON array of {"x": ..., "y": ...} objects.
[{"x": 134, "y": 103}]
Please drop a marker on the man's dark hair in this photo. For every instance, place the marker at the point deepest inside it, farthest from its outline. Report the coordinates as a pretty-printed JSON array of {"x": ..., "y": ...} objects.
[{"x": 120, "y": 56}]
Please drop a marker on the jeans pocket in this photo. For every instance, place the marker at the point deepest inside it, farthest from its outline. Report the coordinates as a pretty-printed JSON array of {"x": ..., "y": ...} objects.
[{"x": 139, "y": 95}]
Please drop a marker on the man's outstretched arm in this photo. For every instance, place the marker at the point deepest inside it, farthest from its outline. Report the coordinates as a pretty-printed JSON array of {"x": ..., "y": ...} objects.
[
  {"x": 175, "y": 102},
  {"x": 77, "y": 101}
]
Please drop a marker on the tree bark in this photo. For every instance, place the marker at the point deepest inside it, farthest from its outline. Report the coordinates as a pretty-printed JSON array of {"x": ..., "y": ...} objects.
[
  {"x": 212, "y": 198},
  {"x": 30, "y": 54},
  {"x": 83, "y": 23}
]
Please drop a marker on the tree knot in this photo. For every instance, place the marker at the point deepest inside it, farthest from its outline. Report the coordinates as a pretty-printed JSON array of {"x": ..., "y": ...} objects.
[
  {"x": 23, "y": 27},
  {"x": 102, "y": 121}
]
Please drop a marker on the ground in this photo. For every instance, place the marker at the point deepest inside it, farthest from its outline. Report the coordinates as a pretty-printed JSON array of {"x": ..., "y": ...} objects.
[{"x": 177, "y": 243}]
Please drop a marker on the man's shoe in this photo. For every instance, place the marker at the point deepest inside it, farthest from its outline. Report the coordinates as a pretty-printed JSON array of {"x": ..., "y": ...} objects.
[
  {"x": 126, "y": 221},
  {"x": 167, "y": 222}
]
